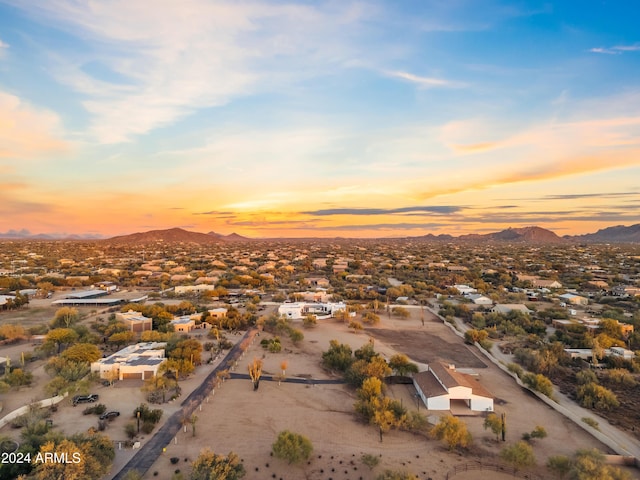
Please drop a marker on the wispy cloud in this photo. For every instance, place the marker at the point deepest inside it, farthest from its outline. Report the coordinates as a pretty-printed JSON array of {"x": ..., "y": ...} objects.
[
  {"x": 590, "y": 195},
  {"x": 424, "y": 82},
  {"x": 616, "y": 50},
  {"x": 628, "y": 48},
  {"x": 177, "y": 58},
  {"x": 3, "y": 48},
  {"x": 607, "y": 51},
  {"x": 476, "y": 147},
  {"x": 28, "y": 132},
  {"x": 439, "y": 209}
]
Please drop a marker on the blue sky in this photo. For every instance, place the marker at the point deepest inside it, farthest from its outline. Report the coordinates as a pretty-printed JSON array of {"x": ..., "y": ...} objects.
[{"x": 318, "y": 118}]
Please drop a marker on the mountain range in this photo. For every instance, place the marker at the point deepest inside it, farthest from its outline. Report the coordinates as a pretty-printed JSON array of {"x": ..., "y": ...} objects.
[{"x": 616, "y": 234}]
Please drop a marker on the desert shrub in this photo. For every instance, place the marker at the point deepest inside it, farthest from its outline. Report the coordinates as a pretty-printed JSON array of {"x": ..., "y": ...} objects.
[
  {"x": 130, "y": 430},
  {"x": 18, "y": 378},
  {"x": 98, "y": 409},
  {"x": 621, "y": 376},
  {"x": 586, "y": 376},
  {"x": 516, "y": 369},
  {"x": 147, "y": 427},
  {"x": 271, "y": 344},
  {"x": 370, "y": 460},
  {"x": 539, "y": 383},
  {"x": 597, "y": 397},
  {"x": 148, "y": 415},
  {"x": 292, "y": 447},
  {"x": 591, "y": 422}
]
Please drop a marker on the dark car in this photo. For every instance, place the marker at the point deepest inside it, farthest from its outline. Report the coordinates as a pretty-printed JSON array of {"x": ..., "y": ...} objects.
[
  {"x": 85, "y": 399},
  {"x": 108, "y": 415}
]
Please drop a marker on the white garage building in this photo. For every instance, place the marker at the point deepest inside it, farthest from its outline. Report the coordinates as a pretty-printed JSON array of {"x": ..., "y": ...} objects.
[{"x": 441, "y": 385}]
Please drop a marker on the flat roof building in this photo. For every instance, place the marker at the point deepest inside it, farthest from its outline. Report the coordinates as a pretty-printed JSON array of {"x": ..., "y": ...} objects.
[{"x": 140, "y": 361}]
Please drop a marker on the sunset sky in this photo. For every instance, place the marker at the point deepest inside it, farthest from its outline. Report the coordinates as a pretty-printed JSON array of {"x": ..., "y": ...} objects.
[{"x": 318, "y": 118}]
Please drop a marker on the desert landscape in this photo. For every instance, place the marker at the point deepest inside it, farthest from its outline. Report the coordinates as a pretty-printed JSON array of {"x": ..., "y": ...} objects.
[{"x": 244, "y": 421}]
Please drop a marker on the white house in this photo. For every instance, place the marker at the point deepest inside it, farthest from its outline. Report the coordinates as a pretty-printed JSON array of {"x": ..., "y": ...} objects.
[
  {"x": 505, "y": 308},
  {"x": 465, "y": 289},
  {"x": 622, "y": 352},
  {"x": 298, "y": 310},
  {"x": 140, "y": 361},
  {"x": 479, "y": 299},
  {"x": 587, "y": 353},
  {"x": 441, "y": 384}
]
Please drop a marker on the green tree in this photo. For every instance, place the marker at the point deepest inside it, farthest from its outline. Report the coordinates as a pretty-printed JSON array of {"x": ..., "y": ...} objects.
[
  {"x": 292, "y": 447},
  {"x": 255, "y": 372},
  {"x": 12, "y": 332},
  {"x": 472, "y": 336},
  {"x": 121, "y": 338},
  {"x": 494, "y": 423},
  {"x": 401, "y": 312},
  {"x": 82, "y": 352},
  {"x": 384, "y": 415},
  {"x": 538, "y": 432},
  {"x": 59, "y": 337},
  {"x": 452, "y": 431},
  {"x": 401, "y": 365},
  {"x": 70, "y": 370},
  {"x": 355, "y": 326},
  {"x": 189, "y": 350},
  {"x": 362, "y": 369},
  {"x": 181, "y": 367},
  {"x": 539, "y": 383},
  {"x": 94, "y": 455},
  {"x": 519, "y": 455},
  {"x": 338, "y": 357},
  {"x": 595, "y": 396},
  {"x": 210, "y": 466},
  {"x": 371, "y": 318},
  {"x": 560, "y": 464},
  {"x": 309, "y": 321},
  {"x": 370, "y": 460},
  {"x": 17, "y": 377},
  {"x": 65, "y": 317},
  {"x": 370, "y": 390},
  {"x": 296, "y": 335},
  {"x": 590, "y": 465}
]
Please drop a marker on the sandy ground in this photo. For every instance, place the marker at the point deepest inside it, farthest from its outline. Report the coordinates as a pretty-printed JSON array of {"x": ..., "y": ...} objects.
[
  {"x": 246, "y": 422},
  {"x": 236, "y": 418}
]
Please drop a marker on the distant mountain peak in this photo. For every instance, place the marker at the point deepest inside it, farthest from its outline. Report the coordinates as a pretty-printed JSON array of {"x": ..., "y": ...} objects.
[
  {"x": 616, "y": 234},
  {"x": 171, "y": 235},
  {"x": 531, "y": 234}
]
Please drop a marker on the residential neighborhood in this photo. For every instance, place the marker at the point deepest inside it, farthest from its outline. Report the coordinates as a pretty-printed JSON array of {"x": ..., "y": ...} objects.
[{"x": 159, "y": 316}]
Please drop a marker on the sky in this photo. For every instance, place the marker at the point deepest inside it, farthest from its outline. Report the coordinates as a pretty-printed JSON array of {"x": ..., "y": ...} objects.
[{"x": 318, "y": 118}]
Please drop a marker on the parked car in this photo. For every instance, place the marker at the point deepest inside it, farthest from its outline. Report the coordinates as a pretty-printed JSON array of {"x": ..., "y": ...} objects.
[
  {"x": 85, "y": 399},
  {"x": 109, "y": 415}
]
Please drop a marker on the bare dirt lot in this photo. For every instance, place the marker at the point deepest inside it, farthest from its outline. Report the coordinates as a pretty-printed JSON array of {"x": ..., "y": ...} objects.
[
  {"x": 236, "y": 418},
  {"x": 246, "y": 422}
]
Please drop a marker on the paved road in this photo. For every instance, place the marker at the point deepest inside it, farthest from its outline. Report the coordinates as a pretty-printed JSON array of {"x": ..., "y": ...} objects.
[{"x": 151, "y": 450}]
